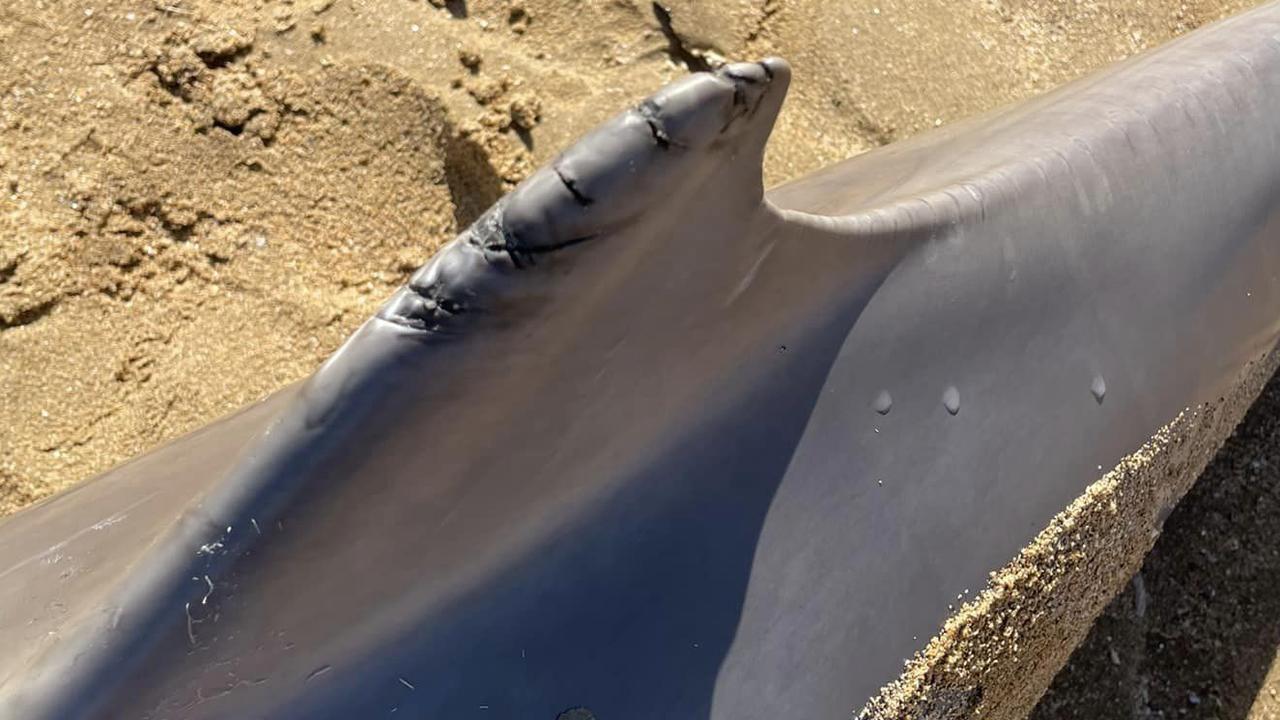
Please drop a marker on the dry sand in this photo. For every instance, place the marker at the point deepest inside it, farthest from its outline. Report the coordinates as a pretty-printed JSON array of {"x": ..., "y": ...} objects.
[{"x": 199, "y": 200}]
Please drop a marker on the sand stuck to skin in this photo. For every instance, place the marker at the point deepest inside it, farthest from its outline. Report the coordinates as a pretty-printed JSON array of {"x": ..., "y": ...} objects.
[{"x": 1195, "y": 632}]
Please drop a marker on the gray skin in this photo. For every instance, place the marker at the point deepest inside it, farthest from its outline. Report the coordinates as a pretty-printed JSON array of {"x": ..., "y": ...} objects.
[{"x": 646, "y": 442}]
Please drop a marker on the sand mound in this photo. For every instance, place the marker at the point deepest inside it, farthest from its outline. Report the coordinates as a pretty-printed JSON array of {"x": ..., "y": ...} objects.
[{"x": 189, "y": 228}]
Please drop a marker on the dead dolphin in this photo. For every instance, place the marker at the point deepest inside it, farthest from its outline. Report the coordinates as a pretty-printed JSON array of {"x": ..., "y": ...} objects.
[{"x": 647, "y": 442}]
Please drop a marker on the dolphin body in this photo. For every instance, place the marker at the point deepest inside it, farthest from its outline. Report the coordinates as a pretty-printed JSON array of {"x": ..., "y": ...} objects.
[{"x": 648, "y": 442}]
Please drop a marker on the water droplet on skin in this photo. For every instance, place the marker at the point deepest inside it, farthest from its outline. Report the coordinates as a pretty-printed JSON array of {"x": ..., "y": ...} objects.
[
  {"x": 883, "y": 403},
  {"x": 951, "y": 400},
  {"x": 1099, "y": 388}
]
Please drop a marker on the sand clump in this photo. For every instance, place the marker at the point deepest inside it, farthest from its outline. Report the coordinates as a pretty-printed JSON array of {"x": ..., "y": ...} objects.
[{"x": 187, "y": 226}]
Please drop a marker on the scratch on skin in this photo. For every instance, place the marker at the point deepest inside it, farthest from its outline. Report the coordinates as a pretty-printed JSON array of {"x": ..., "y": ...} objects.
[{"x": 101, "y": 524}]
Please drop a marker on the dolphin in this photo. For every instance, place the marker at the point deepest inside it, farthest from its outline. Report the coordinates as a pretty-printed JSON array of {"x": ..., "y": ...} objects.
[{"x": 646, "y": 441}]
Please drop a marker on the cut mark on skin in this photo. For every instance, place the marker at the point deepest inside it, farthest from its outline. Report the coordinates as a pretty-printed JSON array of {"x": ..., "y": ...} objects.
[
  {"x": 571, "y": 185},
  {"x": 433, "y": 300},
  {"x": 76, "y": 536},
  {"x": 649, "y": 111},
  {"x": 529, "y": 252},
  {"x": 439, "y": 301},
  {"x": 522, "y": 255},
  {"x": 740, "y": 107},
  {"x": 191, "y": 632}
]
